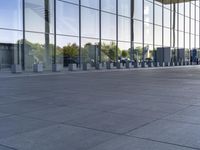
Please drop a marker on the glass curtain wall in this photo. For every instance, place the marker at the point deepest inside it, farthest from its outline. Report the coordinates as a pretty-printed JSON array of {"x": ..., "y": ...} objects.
[{"x": 91, "y": 31}]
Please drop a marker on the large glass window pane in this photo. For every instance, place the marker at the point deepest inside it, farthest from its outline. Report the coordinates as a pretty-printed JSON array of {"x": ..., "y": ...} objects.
[
  {"x": 11, "y": 14},
  {"x": 108, "y": 51},
  {"x": 108, "y": 26},
  {"x": 67, "y": 19},
  {"x": 181, "y": 8},
  {"x": 90, "y": 51},
  {"x": 197, "y": 13},
  {"x": 108, "y": 5},
  {"x": 187, "y": 9},
  {"x": 192, "y": 11},
  {"x": 124, "y": 29},
  {"x": 67, "y": 50},
  {"x": 148, "y": 33},
  {"x": 187, "y": 40},
  {"x": 124, "y": 49},
  {"x": 167, "y": 18},
  {"x": 158, "y": 35},
  {"x": 181, "y": 22},
  {"x": 192, "y": 26},
  {"x": 138, "y": 10},
  {"x": 197, "y": 27},
  {"x": 90, "y": 3},
  {"x": 187, "y": 24},
  {"x": 39, "y": 15},
  {"x": 90, "y": 27},
  {"x": 181, "y": 40},
  {"x": 197, "y": 41},
  {"x": 158, "y": 15},
  {"x": 192, "y": 41},
  {"x": 138, "y": 51},
  {"x": 148, "y": 11},
  {"x": 166, "y": 37},
  {"x": 138, "y": 31},
  {"x": 10, "y": 48},
  {"x": 124, "y": 7},
  {"x": 38, "y": 50}
]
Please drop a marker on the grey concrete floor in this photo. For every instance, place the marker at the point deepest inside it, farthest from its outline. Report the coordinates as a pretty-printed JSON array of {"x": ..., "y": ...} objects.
[{"x": 147, "y": 109}]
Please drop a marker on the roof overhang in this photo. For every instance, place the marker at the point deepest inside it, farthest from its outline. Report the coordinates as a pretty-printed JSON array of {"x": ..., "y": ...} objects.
[{"x": 173, "y": 1}]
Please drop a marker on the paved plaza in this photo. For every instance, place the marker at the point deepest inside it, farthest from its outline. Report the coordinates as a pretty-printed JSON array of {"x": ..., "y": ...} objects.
[{"x": 145, "y": 109}]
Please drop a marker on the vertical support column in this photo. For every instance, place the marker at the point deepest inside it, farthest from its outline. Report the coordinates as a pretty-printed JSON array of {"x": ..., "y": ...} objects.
[
  {"x": 117, "y": 31},
  {"x": 100, "y": 31},
  {"x": 132, "y": 29},
  {"x": 153, "y": 24},
  {"x": 23, "y": 41},
  {"x": 47, "y": 32},
  {"x": 171, "y": 25},
  {"x": 143, "y": 31},
  {"x": 174, "y": 24},
  {"x": 190, "y": 27},
  {"x": 184, "y": 25},
  {"x": 195, "y": 25},
  {"x": 163, "y": 25},
  {"x": 177, "y": 40},
  {"x": 55, "y": 37},
  {"x": 80, "y": 58}
]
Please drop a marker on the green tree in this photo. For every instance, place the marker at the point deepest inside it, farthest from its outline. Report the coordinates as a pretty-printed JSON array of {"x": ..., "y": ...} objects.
[
  {"x": 109, "y": 51},
  {"x": 71, "y": 50},
  {"x": 124, "y": 54}
]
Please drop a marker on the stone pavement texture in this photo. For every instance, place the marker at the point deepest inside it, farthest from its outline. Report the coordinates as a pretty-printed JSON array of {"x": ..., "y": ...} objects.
[{"x": 147, "y": 109}]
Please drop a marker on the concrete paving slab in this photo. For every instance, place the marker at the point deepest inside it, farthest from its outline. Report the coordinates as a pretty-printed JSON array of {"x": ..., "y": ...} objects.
[
  {"x": 23, "y": 107},
  {"x": 61, "y": 114},
  {"x": 171, "y": 132},
  {"x": 6, "y": 148},
  {"x": 189, "y": 115},
  {"x": 111, "y": 122},
  {"x": 14, "y": 125},
  {"x": 59, "y": 137},
  {"x": 127, "y": 143},
  {"x": 140, "y": 112}
]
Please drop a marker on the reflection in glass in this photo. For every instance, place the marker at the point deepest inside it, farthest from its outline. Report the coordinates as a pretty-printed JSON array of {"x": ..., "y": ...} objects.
[
  {"x": 108, "y": 5},
  {"x": 124, "y": 29},
  {"x": 39, "y": 15},
  {"x": 138, "y": 51},
  {"x": 108, "y": 51},
  {"x": 166, "y": 37},
  {"x": 67, "y": 50},
  {"x": 137, "y": 31},
  {"x": 90, "y": 51},
  {"x": 148, "y": 33},
  {"x": 158, "y": 35},
  {"x": 148, "y": 11},
  {"x": 124, "y": 51},
  {"x": 67, "y": 19},
  {"x": 108, "y": 26},
  {"x": 10, "y": 48},
  {"x": 89, "y": 27},
  {"x": 11, "y": 14},
  {"x": 124, "y": 7},
  {"x": 158, "y": 15},
  {"x": 138, "y": 9},
  {"x": 38, "y": 50},
  {"x": 90, "y": 3}
]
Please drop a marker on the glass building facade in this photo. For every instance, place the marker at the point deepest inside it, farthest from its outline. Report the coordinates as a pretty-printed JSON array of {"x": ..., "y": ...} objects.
[{"x": 89, "y": 31}]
